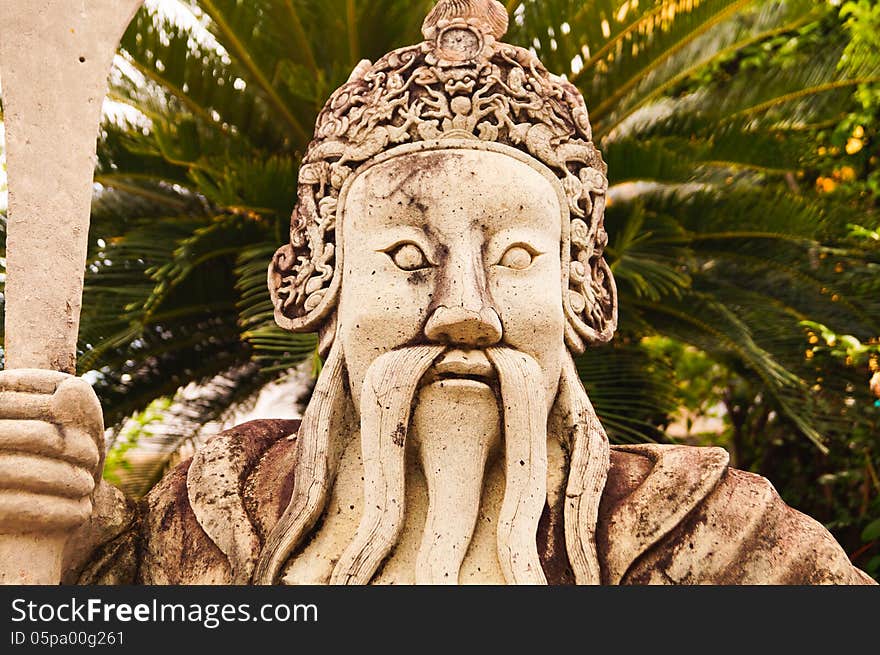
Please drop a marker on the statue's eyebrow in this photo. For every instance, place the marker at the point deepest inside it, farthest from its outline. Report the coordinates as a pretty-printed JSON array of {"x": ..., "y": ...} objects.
[
  {"x": 392, "y": 236},
  {"x": 497, "y": 243}
]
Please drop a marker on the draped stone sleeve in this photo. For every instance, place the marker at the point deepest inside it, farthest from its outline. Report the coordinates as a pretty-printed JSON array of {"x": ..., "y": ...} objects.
[
  {"x": 679, "y": 515},
  {"x": 204, "y": 523}
]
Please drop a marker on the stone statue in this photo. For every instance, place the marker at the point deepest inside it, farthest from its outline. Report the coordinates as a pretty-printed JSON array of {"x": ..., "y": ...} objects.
[{"x": 447, "y": 244}]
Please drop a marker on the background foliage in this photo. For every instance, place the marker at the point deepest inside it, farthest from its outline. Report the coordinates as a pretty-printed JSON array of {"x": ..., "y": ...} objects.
[{"x": 741, "y": 138}]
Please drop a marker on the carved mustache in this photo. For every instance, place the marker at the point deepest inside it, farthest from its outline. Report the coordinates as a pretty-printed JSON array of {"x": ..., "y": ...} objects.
[{"x": 461, "y": 363}]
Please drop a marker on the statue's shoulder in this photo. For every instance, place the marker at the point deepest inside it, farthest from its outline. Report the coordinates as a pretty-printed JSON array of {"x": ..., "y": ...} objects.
[
  {"x": 676, "y": 514},
  {"x": 204, "y": 522}
]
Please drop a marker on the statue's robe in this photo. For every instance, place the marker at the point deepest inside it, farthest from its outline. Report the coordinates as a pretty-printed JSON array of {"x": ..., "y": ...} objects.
[{"x": 669, "y": 515}]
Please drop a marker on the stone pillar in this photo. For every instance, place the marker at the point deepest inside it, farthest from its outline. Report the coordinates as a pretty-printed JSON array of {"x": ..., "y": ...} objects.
[{"x": 55, "y": 57}]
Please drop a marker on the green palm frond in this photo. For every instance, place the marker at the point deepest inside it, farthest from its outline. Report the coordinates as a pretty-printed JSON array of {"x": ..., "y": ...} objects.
[
  {"x": 623, "y": 54},
  {"x": 733, "y": 271},
  {"x": 637, "y": 411},
  {"x": 808, "y": 90}
]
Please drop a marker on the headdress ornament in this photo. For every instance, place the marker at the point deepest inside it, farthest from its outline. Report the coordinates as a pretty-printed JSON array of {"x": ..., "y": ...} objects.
[{"x": 459, "y": 85}]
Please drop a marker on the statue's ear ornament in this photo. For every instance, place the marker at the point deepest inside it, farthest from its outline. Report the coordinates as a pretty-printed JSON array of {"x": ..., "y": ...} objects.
[{"x": 463, "y": 85}]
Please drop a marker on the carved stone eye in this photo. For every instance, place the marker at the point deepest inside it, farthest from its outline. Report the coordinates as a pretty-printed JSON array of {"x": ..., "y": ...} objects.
[
  {"x": 517, "y": 257},
  {"x": 409, "y": 257}
]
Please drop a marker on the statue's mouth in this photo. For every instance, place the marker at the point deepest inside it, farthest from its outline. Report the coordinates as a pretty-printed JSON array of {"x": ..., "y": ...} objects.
[{"x": 461, "y": 366}]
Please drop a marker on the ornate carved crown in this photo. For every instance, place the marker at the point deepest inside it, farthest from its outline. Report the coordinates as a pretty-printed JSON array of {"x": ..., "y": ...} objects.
[{"x": 459, "y": 84}]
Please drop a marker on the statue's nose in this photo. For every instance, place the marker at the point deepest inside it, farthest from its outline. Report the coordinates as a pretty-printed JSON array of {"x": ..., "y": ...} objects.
[
  {"x": 465, "y": 327},
  {"x": 463, "y": 312}
]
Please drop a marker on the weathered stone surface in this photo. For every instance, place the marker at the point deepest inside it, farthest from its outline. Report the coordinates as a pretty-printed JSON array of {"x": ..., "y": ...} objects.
[
  {"x": 51, "y": 457},
  {"x": 679, "y": 515},
  {"x": 731, "y": 528},
  {"x": 55, "y": 57},
  {"x": 448, "y": 246},
  {"x": 95, "y": 546},
  {"x": 216, "y": 479},
  {"x": 177, "y": 550}
]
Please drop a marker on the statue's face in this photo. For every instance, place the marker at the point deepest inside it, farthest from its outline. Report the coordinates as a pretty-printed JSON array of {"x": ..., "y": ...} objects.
[{"x": 455, "y": 247}]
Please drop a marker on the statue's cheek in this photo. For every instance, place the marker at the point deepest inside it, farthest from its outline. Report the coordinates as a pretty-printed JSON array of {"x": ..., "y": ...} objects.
[
  {"x": 385, "y": 308},
  {"x": 529, "y": 300}
]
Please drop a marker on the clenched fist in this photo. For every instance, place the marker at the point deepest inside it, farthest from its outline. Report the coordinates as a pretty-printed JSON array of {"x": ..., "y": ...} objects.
[{"x": 51, "y": 451}]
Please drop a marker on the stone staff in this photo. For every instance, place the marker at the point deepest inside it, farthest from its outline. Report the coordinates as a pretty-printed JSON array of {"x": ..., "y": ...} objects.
[{"x": 55, "y": 56}]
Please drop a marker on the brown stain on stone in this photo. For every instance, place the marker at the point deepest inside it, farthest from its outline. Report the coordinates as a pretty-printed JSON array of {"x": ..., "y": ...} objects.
[
  {"x": 418, "y": 277},
  {"x": 114, "y": 563},
  {"x": 399, "y": 435},
  {"x": 551, "y": 545},
  {"x": 166, "y": 545},
  {"x": 269, "y": 486},
  {"x": 175, "y": 549},
  {"x": 253, "y": 440},
  {"x": 625, "y": 475},
  {"x": 769, "y": 542}
]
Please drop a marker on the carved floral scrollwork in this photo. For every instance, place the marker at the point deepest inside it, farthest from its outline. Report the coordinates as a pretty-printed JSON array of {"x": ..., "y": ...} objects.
[{"x": 460, "y": 83}]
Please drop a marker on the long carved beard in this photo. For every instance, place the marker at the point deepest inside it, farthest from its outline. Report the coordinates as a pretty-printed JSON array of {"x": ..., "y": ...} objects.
[
  {"x": 317, "y": 456},
  {"x": 387, "y": 397},
  {"x": 525, "y": 447},
  {"x": 386, "y": 401},
  {"x": 455, "y": 429},
  {"x": 587, "y": 443}
]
